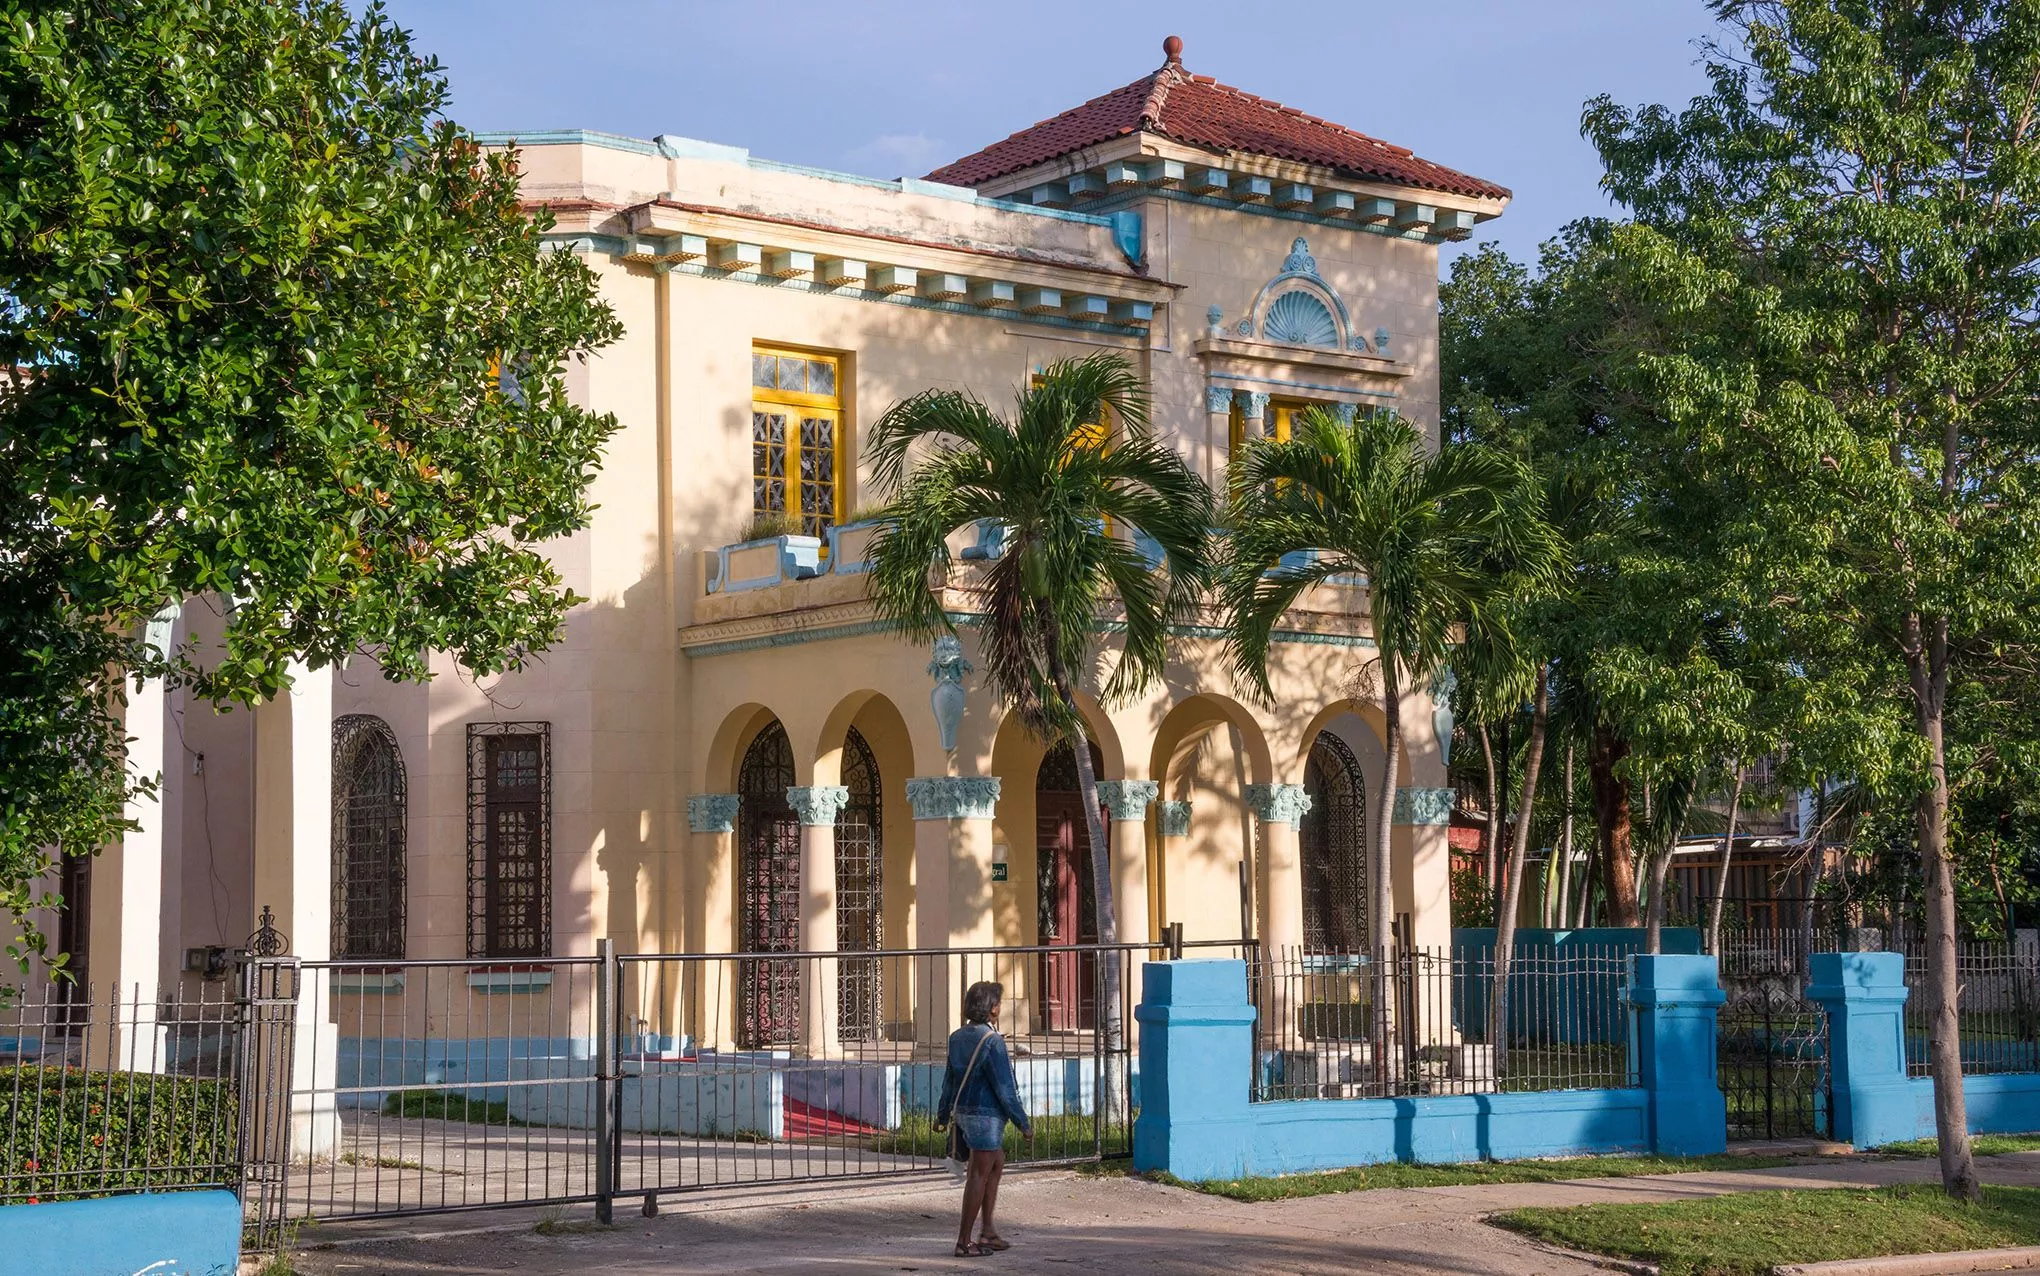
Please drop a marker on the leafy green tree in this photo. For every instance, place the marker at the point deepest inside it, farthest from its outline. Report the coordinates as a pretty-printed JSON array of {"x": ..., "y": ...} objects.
[
  {"x": 280, "y": 334},
  {"x": 1076, "y": 505},
  {"x": 1840, "y": 249},
  {"x": 1427, "y": 532}
]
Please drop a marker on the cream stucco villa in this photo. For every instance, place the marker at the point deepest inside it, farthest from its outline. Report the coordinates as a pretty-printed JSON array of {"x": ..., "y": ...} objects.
[{"x": 727, "y": 752}]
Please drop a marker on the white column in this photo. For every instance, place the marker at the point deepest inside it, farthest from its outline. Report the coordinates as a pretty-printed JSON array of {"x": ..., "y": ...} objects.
[
  {"x": 1255, "y": 403},
  {"x": 816, "y": 807},
  {"x": 952, "y": 888},
  {"x": 1218, "y": 402},
  {"x": 1126, "y": 805},
  {"x": 1280, "y": 809},
  {"x": 124, "y": 940},
  {"x": 1173, "y": 827},
  {"x": 708, "y": 1005},
  {"x": 294, "y": 878}
]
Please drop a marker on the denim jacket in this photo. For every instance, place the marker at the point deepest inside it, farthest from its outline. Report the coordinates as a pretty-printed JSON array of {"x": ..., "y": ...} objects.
[{"x": 991, "y": 1088}]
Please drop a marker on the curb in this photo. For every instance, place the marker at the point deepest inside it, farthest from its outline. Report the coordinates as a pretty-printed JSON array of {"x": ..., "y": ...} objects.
[{"x": 2024, "y": 1258}]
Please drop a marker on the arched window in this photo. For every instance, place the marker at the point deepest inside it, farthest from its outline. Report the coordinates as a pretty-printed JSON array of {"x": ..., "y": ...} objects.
[
  {"x": 768, "y": 892},
  {"x": 368, "y": 840},
  {"x": 860, "y": 893},
  {"x": 1300, "y": 319},
  {"x": 1334, "y": 849}
]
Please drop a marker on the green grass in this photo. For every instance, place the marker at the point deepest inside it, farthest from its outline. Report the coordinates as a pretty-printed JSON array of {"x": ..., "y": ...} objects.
[
  {"x": 448, "y": 1107},
  {"x": 1395, "y": 1174},
  {"x": 1748, "y": 1233},
  {"x": 1979, "y": 1144},
  {"x": 1055, "y": 1137}
]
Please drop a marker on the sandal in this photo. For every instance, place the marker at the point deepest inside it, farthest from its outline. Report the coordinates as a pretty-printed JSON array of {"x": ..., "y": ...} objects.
[
  {"x": 973, "y": 1249},
  {"x": 995, "y": 1243}
]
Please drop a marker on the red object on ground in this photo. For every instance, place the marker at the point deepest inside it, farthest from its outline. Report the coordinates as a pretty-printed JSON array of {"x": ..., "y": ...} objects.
[{"x": 805, "y": 1121}]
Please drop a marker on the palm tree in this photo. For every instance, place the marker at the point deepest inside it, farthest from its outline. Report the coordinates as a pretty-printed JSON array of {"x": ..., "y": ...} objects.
[
  {"x": 1367, "y": 498},
  {"x": 1077, "y": 506}
]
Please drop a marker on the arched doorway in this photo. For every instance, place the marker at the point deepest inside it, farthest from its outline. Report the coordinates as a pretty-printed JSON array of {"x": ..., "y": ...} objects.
[
  {"x": 860, "y": 893},
  {"x": 368, "y": 840},
  {"x": 1068, "y": 913},
  {"x": 768, "y": 893},
  {"x": 1333, "y": 841}
]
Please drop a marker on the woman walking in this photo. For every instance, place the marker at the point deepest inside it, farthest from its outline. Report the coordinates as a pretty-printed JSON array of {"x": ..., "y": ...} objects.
[{"x": 979, "y": 1096}]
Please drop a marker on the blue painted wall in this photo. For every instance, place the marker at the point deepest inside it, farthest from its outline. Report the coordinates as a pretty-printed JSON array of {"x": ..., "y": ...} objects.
[
  {"x": 158, "y": 1233},
  {"x": 1196, "y": 1121},
  {"x": 1875, "y": 1102}
]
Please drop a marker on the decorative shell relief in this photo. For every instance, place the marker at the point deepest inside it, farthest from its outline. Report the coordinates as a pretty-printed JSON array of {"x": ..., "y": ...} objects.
[{"x": 1298, "y": 318}]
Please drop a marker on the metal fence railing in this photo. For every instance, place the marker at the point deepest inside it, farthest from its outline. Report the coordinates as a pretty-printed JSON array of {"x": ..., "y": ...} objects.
[
  {"x": 451, "y": 1085},
  {"x": 1997, "y": 1007},
  {"x": 110, "y": 1091},
  {"x": 1424, "y": 1021}
]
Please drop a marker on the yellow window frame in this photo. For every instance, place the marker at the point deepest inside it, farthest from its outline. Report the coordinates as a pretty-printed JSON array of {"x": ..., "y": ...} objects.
[{"x": 798, "y": 405}]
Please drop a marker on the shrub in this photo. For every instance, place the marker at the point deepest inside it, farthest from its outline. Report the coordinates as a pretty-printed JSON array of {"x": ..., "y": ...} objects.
[{"x": 67, "y": 1132}]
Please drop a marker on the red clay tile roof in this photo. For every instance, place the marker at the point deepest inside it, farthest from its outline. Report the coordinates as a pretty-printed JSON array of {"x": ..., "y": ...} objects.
[{"x": 1199, "y": 111}]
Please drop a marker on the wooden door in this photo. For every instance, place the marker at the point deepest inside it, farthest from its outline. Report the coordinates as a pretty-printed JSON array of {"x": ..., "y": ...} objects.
[{"x": 1068, "y": 912}]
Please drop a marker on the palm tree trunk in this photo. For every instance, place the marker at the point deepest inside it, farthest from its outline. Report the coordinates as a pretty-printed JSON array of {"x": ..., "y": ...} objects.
[
  {"x": 1565, "y": 875},
  {"x": 1519, "y": 851},
  {"x": 1660, "y": 873},
  {"x": 1612, "y": 827},
  {"x": 1491, "y": 832},
  {"x": 1727, "y": 853},
  {"x": 1381, "y": 911}
]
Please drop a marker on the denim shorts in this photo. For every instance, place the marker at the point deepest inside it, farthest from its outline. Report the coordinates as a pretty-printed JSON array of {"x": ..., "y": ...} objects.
[{"x": 982, "y": 1131}]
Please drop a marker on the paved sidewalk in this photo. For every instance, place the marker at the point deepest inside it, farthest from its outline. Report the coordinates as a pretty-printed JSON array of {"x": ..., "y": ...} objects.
[{"x": 1063, "y": 1223}]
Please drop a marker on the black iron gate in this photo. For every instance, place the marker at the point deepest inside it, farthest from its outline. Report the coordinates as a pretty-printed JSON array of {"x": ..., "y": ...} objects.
[{"x": 1772, "y": 1049}]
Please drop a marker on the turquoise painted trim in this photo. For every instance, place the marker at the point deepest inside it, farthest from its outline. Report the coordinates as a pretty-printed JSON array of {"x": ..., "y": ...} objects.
[
  {"x": 1005, "y": 313},
  {"x": 567, "y": 137},
  {"x": 858, "y": 629},
  {"x": 1107, "y": 203},
  {"x": 693, "y": 148},
  {"x": 1303, "y": 385}
]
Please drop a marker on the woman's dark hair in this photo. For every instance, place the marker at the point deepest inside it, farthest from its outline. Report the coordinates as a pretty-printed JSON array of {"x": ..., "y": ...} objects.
[{"x": 981, "y": 1000}]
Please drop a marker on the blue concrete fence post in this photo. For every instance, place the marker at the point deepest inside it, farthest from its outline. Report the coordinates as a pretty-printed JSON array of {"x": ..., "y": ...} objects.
[
  {"x": 1196, "y": 1064},
  {"x": 1863, "y": 995},
  {"x": 1673, "y": 1002}
]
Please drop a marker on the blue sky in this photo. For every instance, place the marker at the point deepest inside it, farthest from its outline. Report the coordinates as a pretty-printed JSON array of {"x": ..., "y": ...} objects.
[{"x": 892, "y": 87}]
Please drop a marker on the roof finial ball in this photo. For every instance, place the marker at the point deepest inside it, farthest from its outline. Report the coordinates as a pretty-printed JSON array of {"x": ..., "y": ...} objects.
[{"x": 1172, "y": 49}]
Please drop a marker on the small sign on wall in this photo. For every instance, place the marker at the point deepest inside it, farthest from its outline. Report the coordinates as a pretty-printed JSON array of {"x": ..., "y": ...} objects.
[{"x": 998, "y": 870}]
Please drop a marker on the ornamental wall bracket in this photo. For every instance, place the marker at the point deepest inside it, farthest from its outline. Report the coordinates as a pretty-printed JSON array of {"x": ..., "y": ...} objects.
[
  {"x": 947, "y": 699},
  {"x": 1423, "y": 806},
  {"x": 713, "y": 812},
  {"x": 1175, "y": 819}
]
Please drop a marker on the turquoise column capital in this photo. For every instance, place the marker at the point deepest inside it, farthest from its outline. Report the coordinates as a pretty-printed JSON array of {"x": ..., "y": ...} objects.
[
  {"x": 1175, "y": 819},
  {"x": 712, "y": 812},
  {"x": 818, "y": 805},
  {"x": 1127, "y": 799},
  {"x": 1279, "y": 803},
  {"x": 953, "y": 797}
]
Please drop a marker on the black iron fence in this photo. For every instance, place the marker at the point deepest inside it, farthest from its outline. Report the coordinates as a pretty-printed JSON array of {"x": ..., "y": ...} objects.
[
  {"x": 451, "y": 1085},
  {"x": 1437, "y": 1021},
  {"x": 109, "y": 1091},
  {"x": 1997, "y": 1007}
]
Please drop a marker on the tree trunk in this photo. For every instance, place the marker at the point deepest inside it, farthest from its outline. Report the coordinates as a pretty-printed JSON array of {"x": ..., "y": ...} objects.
[
  {"x": 1491, "y": 833},
  {"x": 1519, "y": 851},
  {"x": 1611, "y": 827},
  {"x": 1727, "y": 854},
  {"x": 1928, "y": 666},
  {"x": 1501, "y": 811},
  {"x": 1565, "y": 874},
  {"x": 1381, "y": 909}
]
